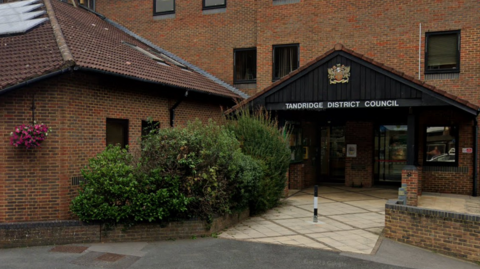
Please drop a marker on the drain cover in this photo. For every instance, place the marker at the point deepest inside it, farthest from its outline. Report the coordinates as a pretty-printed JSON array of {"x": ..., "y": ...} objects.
[
  {"x": 110, "y": 257},
  {"x": 69, "y": 249}
]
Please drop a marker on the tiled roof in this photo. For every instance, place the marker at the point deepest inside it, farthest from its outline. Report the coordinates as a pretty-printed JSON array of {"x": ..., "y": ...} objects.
[
  {"x": 340, "y": 47},
  {"x": 28, "y": 55},
  {"x": 76, "y": 37}
]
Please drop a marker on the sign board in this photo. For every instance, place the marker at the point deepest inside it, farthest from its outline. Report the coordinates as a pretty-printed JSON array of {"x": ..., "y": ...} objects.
[
  {"x": 467, "y": 150},
  {"x": 346, "y": 104}
]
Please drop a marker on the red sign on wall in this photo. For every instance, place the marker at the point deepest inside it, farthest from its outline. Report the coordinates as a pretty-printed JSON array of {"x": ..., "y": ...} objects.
[{"x": 467, "y": 150}]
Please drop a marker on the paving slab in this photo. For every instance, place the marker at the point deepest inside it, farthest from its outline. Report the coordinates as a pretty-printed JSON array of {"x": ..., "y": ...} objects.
[{"x": 349, "y": 220}]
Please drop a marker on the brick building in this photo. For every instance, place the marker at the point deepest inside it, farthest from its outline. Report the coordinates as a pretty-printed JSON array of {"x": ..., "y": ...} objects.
[
  {"x": 428, "y": 79},
  {"x": 95, "y": 83}
]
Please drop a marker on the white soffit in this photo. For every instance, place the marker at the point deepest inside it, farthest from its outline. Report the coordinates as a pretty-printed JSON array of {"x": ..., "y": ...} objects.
[{"x": 19, "y": 17}]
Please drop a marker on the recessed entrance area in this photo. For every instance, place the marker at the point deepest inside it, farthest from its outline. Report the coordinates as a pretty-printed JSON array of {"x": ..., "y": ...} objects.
[
  {"x": 332, "y": 154},
  {"x": 390, "y": 155}
]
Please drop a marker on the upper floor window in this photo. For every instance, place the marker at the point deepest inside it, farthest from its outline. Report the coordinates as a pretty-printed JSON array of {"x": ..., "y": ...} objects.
[
  {"x": 285, "y": 60},
  {"x": 442, "y": 52},
  {"x": 245, "y": 65},
  {"x": 88, "y": 3},
  {"x": 208, "y": 4},
  {"x": 163, "y": 7}
]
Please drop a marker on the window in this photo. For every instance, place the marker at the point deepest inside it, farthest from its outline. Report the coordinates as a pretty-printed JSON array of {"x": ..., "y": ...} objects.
[
  {"x": 117, "y": 132},
  {"x": 441, "y": 145},
  {"x": 285, "y": 60},
  {"x": 245, "y": 65},
  {"x": 161, "y": 7},
  {"x": 208, "y": 4},
  {"x": 148, "y": 126},
  {"x": 442, "y": 52},
  {"x": 88, "y": 3}
]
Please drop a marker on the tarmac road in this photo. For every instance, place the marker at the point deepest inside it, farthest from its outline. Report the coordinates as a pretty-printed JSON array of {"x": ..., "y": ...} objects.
[{"x": 214, "y": 253}]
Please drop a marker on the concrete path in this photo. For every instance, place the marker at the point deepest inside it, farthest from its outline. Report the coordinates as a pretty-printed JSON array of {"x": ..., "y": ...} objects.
[{"x": 350, "y": 220}]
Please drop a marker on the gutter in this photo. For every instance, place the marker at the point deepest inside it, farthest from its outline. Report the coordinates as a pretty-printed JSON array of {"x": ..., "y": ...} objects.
[
  {"x": 147, "y": 81},
  {"x": 37, "y": 79}
]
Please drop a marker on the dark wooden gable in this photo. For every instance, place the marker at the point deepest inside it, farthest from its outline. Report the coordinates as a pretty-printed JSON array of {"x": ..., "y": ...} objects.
[{"x": 365, "y": 84}]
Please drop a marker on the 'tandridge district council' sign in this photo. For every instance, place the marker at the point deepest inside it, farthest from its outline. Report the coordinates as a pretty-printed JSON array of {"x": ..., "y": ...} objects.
[{"x": 343, "y": 104}]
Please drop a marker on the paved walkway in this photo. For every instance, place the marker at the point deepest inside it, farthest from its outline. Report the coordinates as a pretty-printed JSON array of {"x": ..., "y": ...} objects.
[
  {"x": 350, "y": 220},
  {"x": 450, "y": 202}
]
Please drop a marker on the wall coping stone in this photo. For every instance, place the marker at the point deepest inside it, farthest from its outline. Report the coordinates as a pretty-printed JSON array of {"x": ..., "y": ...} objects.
[
  {"x": 410, "y": 168},
  {"x": 394, "y": 205},
  {"x": 44, "y": 224}
]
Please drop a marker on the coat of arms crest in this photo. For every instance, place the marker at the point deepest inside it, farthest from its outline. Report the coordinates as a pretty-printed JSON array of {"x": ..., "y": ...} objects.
[{"x": 339, "y": 73}]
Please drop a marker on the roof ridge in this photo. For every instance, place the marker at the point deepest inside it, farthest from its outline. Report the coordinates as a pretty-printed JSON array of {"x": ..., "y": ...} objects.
[{"x": 59, "y": 38}]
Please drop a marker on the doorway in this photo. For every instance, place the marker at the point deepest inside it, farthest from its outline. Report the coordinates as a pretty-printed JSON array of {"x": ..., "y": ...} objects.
[
  {"x": 390, "y": 153},
  {"x": 332, "y": 154}
]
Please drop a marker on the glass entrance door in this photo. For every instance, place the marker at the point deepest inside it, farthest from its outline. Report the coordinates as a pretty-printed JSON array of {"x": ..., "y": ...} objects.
[
  {"x": 332, "y": 159},
  {"x": 390, "y": 152}
]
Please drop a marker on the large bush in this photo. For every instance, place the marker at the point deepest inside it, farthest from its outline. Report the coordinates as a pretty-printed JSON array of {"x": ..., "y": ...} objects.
[
  {"x": 116, "y": 193},
  {"x": 179, "y": 173},
  {"x": 261, "y": 139}
]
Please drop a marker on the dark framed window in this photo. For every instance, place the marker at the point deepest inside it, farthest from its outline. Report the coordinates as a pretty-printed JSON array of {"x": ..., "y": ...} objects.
[
  {"x": 245, "y": 65},
  {"x": 285, "y": 60},
  {"x": 209, "y": 4},
  {"x": 441, "y": 145},
  {"x": 117, "y": 132},
  {"x": 88, "y": 3},
  {"x": 161, "y": 7},
  {"x": 442, "y": 52},
  {"x": 148, "y": 126}
]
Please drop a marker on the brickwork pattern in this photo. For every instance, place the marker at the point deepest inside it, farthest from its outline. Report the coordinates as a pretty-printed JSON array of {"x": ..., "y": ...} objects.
[
  {"x": 69, "y": 232},
  {"x": 447, "y": 233},
  {"x": 386, "y": 32},
  {"x": 448, "y": 181},
  {"x": 296, "y": 176},
  {"x": 411, "y": 178},
  {"x": 35, "y": 185},
  {"x": 359, "y": 170}
]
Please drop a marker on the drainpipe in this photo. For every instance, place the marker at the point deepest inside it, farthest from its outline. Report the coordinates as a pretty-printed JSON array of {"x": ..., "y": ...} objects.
[
  {"x": 475, "y": 158},
  {"x": 172, "y": 109}
]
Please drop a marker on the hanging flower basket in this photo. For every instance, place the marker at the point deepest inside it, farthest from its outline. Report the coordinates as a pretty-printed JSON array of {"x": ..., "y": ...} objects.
[{"x": 29, "y": 136}]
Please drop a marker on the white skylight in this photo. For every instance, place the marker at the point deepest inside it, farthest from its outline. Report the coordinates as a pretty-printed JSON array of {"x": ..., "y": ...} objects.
[{"x": 19, "y": 17}]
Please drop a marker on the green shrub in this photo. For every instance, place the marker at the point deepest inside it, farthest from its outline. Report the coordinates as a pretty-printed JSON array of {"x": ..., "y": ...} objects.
[
  {"x": 115, "y": 193},
  {"x": 261, "y": 139},
  {"x": 209, "y": 163}
]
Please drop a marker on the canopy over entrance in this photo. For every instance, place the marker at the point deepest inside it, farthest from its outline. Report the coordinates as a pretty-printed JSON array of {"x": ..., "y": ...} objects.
[{"x": 341, "y": 78}]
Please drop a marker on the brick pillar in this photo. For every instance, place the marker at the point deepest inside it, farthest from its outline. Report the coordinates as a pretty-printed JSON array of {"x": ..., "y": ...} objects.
[
  {"x": 419, "y": 169},
  {"x": 296, "y": 177},
  {"x": 410, "y": 177},
  {"x": 285, "y": 191},
  {"x": 359, "y": 170}
]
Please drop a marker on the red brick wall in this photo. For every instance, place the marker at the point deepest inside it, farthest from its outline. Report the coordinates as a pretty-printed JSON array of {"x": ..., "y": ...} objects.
[
  {"x": 384, "y": 30},
  {"x": 448, "y": 233},
  {"x": 458, "y": 180},
  {"x": 296, "y": 176},
  {"x": 205, "y": 40},
  {"x": 35, "y": 185},
  {"x": 70, "y": 232},
  {"x": 359, "y": 170}
]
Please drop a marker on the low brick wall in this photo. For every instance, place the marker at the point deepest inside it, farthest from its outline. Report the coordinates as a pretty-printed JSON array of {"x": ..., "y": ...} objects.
[
  {"x": 449, "y": 233},
  {"x": 185, "y": 229},
  {"x": 74, "y": 232}
]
